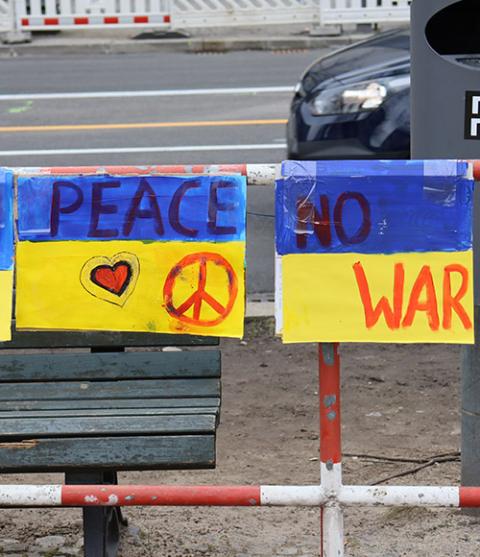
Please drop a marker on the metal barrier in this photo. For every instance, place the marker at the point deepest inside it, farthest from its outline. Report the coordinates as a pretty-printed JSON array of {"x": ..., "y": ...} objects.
[
  {"x": 337, "y": 12},
  {"x": 210, "y": 13},
  {"x": 34, "y": 15},
  {"x": 6, "y": 20},
  {"x": 330, "y": 495}
]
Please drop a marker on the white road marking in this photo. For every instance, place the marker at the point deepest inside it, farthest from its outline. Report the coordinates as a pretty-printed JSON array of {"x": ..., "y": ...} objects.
[
  {"x": 177, "y": 149},
  {"x": 158, "y": 93}
]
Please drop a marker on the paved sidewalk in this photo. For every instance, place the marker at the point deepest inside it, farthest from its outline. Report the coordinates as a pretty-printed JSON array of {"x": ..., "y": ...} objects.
[{"x": 221, "y": 39}]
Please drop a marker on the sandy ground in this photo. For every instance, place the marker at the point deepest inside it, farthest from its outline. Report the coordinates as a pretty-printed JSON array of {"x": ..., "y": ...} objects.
[{"x": 398, "y": 401}]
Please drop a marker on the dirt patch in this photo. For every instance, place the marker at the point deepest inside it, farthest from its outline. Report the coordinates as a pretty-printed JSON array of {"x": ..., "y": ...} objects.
[{"x": 398, "y": 401}]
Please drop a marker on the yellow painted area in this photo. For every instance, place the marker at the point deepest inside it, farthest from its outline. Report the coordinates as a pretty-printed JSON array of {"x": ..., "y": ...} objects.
[
  {"x": 322, "y": 300},
  {"x": 53, "y": 291},
  {"x": 141, "y": 125},
  {"x": 6, "y": 297}
]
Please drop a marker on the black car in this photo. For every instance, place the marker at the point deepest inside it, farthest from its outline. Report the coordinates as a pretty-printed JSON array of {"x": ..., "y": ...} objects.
[{"x": 354, "y": 103}]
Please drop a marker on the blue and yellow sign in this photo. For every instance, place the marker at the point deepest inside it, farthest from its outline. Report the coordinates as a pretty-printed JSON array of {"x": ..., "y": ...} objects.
[
  {"x": 156, "y": 254},
  {"x": 377, "y": 251},
  {"x": 6, "y": 253}
]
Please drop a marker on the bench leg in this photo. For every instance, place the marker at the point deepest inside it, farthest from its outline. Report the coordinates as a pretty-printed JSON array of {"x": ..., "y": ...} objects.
[
  {"x": 101, "y": 525},
  {"x": 101, "y": 531}
]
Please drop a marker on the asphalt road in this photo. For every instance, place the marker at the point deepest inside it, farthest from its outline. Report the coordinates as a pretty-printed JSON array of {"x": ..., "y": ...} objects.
[{"x": 154, "y": 108}]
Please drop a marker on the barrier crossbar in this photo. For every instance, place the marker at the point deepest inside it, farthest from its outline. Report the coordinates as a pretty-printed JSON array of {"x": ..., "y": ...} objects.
[
  {"x": 330, "y": 495},
  {"x": 234, "y": 496}
]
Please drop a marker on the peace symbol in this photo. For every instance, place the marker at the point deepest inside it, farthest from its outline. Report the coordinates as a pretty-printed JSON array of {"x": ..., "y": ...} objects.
[{"x": 200, "y": 296}]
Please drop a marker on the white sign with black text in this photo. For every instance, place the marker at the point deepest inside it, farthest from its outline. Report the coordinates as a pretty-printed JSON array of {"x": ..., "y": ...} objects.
[{"x": 472, "y": 115}]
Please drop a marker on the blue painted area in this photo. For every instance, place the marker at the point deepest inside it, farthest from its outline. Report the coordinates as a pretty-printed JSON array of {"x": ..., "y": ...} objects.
[
  {"x": 373, "y": 207},
  {"x": 6, "y": 219},
  {"x": 196, "y": 208}
]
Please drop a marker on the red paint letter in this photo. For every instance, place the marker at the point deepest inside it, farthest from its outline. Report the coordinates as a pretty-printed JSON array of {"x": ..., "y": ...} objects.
[
  {"x": 307, "y": 214},
  {"x": 453, "y": 302},
  {"x": 392, "y": 316},
  {"x": 424, "y": 282},
  {"x": 364, "y": 230}
]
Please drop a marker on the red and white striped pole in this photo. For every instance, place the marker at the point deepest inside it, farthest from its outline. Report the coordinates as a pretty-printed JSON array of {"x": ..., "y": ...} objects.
[
  {"x": 160, "y": 495},
  {"x": 57, "y": 495},
  {"x": 331, "y": 520},
  {"x": 476, "y": 170},
  {"x": 256, "y": 174}
]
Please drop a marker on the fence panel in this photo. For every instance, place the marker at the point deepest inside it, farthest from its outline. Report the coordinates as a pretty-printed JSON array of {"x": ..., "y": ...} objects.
[
  {"x": 62, "y": 14},
  {"x": 210, "y": 13},
  {"x": 5, "y": 21},
  {"x": 34, "y": 15},
  {"x": 335, "y": 12}
]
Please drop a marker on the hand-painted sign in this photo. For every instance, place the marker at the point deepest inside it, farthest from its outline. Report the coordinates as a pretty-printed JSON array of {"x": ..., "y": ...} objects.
[
  {"x": 6, "y": 253},
  {"x": 155, "y": 253},
  {"x": 377, "y": 251}
]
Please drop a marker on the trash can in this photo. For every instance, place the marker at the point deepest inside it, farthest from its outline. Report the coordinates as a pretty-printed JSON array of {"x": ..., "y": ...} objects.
[
  {"x": 445, "y": 123},
  {"x": 445, "y": 79}
]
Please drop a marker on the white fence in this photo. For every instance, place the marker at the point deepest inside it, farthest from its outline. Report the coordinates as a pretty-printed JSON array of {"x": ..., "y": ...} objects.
[
  {"x": 34, "y": 15},
  {"x": 64, "y": 14},
  {"x": 6, "y": 21},
  {"x": 201, "y": 13},
  {"x": 61, "y": 14},
  {"x": 337, "y": 12}
]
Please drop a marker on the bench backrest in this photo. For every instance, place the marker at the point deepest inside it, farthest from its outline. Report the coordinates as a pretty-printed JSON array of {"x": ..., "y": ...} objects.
[{"x": 20, "y": 360}]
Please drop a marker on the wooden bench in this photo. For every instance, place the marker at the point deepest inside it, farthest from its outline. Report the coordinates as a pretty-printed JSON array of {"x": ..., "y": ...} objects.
[{"x": 92, "y": 414}]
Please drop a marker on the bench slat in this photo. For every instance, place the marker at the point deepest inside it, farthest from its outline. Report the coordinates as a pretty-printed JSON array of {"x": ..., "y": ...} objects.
[
  {"x": 120, "y": 365},
  {"x": 113, "y": 425},
  {"x": 94, "y": 404},
  {"x": 110, "y": 453},
  {"x": 34, "y": 414},
  {"x": 80, "y": 339},
  {"x": 149, "y": 388}
]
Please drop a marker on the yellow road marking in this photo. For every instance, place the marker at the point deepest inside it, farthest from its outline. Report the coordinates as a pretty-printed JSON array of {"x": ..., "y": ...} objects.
[{"x": 140, "y": 125}]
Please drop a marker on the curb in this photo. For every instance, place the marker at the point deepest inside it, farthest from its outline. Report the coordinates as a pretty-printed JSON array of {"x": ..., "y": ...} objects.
[
  {"x": 259, "y": 309},
  {"x": 213, "y": 45}
]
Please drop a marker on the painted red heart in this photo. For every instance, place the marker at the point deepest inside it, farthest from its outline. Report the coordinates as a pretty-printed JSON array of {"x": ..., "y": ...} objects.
[{"x": 114, "y": 278}]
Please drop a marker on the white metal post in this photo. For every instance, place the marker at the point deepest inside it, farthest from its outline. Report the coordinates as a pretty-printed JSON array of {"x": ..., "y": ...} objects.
[
  {"x": 15, "y": 35},
  {"x": 332, "y": 531}
]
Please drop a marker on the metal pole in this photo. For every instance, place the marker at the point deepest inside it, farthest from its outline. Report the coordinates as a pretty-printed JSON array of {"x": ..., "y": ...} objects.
[
  {"x": 470, "y": 475},
  {"x": 256, "y": 174},
  {"x": 331, "y": 520}
]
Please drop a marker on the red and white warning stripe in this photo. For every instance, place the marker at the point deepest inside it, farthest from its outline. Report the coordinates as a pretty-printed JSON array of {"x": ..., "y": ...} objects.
[
  {"x": 230, "y": 496},
  {"x": 89, "y": 21},
  {"x": 256, "y": 174},
  {"x": 130, "y": 495}
]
